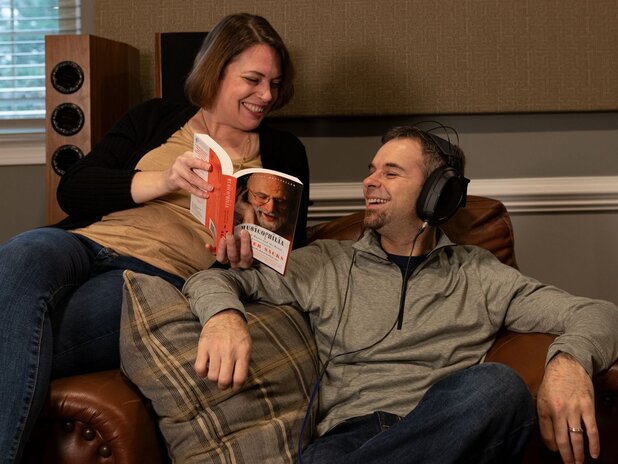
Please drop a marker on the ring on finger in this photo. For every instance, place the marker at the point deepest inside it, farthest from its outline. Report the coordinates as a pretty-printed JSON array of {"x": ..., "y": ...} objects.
[{"x": 576, "y": 429}]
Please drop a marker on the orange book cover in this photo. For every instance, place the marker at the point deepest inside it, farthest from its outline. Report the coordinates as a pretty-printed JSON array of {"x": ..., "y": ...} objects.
[{"x": 262, "y": 201}]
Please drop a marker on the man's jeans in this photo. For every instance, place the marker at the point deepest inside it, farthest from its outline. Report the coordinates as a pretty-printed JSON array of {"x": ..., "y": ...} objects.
[
  {"x": 483, "y": 414},
  {"x": 60, "y": 301}
]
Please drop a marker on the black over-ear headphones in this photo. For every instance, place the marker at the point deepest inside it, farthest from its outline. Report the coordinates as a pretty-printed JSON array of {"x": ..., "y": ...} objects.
[{"x": 445, "y": 190}]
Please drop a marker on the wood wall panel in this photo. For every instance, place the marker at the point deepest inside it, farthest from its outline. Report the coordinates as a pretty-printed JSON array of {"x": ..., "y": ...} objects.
[{"x": 389, "y": 57}]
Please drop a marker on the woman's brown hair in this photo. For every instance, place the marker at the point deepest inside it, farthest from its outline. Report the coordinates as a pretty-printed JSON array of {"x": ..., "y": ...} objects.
[{"x": 231, "y": 36}]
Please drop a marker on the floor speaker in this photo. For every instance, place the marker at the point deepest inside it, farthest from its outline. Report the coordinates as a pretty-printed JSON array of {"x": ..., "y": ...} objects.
[
  {"x": 90, "y": 82},
  {"x": 174, "y": 56}
]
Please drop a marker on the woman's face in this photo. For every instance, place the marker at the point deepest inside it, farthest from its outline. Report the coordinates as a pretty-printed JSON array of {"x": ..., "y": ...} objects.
[{"x": 249, "y": 87}]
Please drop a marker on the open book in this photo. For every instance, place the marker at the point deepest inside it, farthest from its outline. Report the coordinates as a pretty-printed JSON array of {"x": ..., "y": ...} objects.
[{"x": 261, "y": 201}]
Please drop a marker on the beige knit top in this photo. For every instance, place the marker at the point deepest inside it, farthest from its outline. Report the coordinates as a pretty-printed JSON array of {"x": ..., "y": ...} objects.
[{"x": 161, "y": 232}]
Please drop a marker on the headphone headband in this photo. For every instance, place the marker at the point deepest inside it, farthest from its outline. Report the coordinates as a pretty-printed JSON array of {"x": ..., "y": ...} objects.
[{"x": 446, "y": 150}]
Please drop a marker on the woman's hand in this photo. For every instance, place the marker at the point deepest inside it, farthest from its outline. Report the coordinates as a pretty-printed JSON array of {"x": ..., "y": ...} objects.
[
  {"x": 234, "y": 251},
  {"x": 181, "y": 175}
]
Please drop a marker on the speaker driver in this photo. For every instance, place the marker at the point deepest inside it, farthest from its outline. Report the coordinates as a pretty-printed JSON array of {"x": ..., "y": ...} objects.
[
  {"x": 67, "y": 119},
  {"x": 67, "y": 77},
  {"x": 64, "y": 157}
]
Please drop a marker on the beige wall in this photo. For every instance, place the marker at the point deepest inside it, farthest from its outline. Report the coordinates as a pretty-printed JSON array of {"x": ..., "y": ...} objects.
[
  {"x": 368, "y": 57},
  {"x": 577, "y": 252},
  {"x": 429, "y": 59},
  {"x": 496, "y": 146},
  {"x": 22, "y": 189}
]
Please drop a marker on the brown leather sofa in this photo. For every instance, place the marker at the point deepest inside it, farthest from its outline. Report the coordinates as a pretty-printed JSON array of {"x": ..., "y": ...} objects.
[{"x": 102, "y": 418}]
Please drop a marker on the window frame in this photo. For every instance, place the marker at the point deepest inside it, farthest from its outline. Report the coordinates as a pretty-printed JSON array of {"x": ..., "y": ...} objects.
[{"x": 22, "y": 141}]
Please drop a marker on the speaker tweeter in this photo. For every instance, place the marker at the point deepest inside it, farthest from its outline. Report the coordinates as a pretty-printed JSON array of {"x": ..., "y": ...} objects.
[
  {"x": 65, "y": 157},
  {"x": 67, "y": 119},
  {"x": 67, "y": 77}
]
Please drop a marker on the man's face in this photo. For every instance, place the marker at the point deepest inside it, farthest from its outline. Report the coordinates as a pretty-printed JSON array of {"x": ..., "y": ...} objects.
[
  {"x": 392, "y": 187},
  {"x": 267, "y": 195}
]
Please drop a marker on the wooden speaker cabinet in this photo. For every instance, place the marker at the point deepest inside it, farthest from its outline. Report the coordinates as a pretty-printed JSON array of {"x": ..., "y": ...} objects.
[{"x": 90, "y": 83}]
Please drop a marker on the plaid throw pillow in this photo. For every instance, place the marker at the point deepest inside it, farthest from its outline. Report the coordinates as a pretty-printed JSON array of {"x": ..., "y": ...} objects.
[{"x": 200, "y": 423}]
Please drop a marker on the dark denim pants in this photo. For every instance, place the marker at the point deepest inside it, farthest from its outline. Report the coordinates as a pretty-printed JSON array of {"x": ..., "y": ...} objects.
[
  {"x": 60, "y": 301},
  {"x": 483, "y": 414}
]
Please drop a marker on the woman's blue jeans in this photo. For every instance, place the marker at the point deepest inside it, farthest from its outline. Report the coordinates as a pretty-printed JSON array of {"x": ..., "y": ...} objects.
[
  {"x": 483, "y": 414},
  {"x": 60, "y": 301}
]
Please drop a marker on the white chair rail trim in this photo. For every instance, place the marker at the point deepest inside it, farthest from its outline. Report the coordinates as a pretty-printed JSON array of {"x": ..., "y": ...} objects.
[
  {"x": 523, "y": 195},
  {"x": 22, "y": 149}
]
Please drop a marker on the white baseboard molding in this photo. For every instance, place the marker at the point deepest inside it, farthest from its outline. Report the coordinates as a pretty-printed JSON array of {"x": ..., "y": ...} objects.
[{"x": 520, "y": 196}]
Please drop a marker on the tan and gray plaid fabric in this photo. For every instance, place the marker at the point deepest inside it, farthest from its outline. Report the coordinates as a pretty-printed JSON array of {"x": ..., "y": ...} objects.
[{"x": 260, "y": 423}]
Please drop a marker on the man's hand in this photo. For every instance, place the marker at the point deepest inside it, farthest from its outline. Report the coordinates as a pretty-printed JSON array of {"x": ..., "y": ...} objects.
[
  {"x": 565, "y": 403},
  {"x": 224, "y": 349},
  {"x": 235, "y": 252}
]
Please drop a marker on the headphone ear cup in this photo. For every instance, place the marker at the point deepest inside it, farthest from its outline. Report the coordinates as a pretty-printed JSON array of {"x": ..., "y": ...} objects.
[{"x": 442, "y": 194}]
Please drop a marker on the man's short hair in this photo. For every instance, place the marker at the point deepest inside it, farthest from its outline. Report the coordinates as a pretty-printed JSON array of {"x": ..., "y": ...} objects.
[{"x": 433, "y": 154}]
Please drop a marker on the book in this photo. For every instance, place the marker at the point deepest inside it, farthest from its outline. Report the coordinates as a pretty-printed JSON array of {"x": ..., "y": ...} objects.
[{"x": 262, "y": 201}]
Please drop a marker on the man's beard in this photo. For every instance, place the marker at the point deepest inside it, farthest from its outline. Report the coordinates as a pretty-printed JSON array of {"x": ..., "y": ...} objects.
[{"x": 374, "y": 220}]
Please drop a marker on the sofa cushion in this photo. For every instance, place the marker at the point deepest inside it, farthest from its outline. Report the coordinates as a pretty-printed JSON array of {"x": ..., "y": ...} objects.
[{"x": 200, "y": 423}]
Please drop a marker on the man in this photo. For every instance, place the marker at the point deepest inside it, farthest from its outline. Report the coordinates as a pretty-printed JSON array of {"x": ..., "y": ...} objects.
[
  {"x": 403, "y": 378},
  {"x": 265, "y": 202}
]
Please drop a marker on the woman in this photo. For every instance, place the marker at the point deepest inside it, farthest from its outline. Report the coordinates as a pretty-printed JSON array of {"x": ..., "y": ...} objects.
[{"x": 128, "y": 206}]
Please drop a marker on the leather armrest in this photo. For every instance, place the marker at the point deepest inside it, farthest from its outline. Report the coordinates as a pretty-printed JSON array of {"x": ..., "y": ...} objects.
[
  {"x": 608, "y": 380},
  {"x": 523, "y": 352},
  {"x": 526, "y": 354},
  {"x": 96, "y": 418}
]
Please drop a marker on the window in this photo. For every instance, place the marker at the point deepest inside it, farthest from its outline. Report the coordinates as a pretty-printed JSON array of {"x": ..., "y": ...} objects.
[{"x": 23, "y": 26}]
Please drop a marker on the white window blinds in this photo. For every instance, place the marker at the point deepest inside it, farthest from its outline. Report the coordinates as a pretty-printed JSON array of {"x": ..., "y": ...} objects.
[{"x": 23, "y": 26}]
